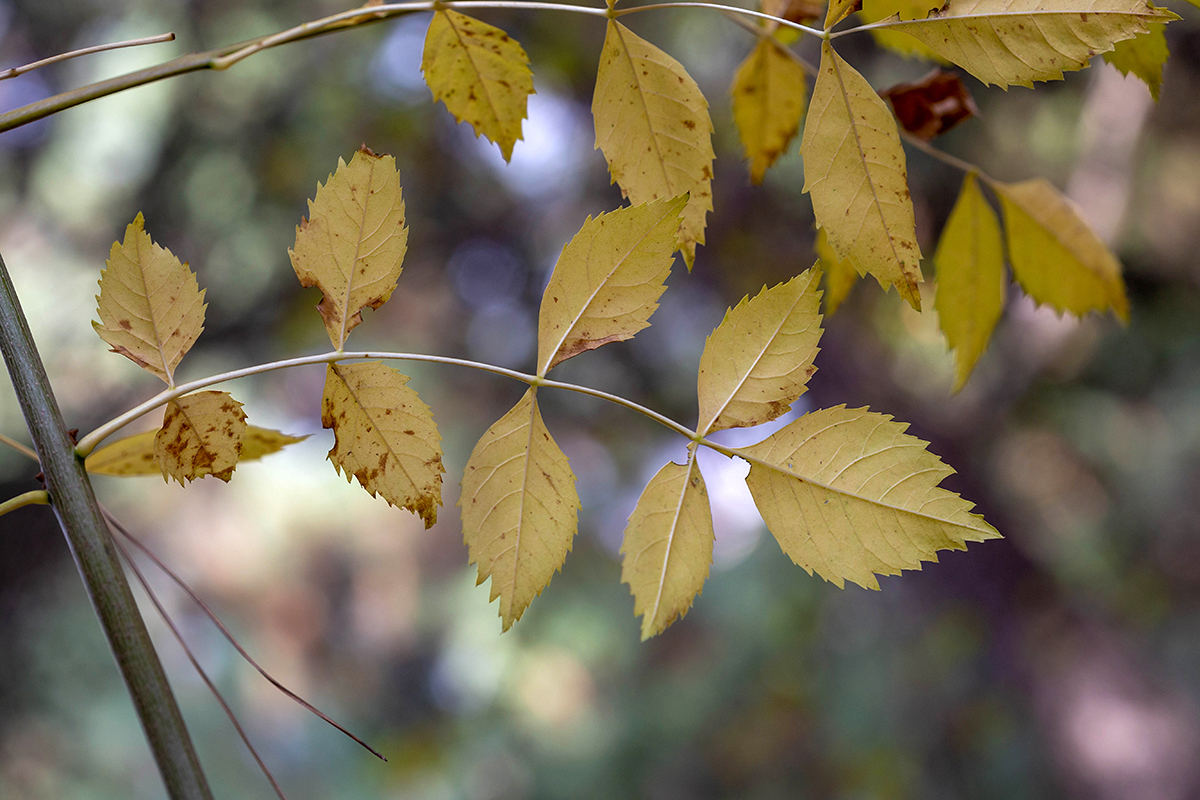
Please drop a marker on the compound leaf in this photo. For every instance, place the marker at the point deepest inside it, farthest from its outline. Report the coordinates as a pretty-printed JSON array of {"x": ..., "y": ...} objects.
[
  {"x": 480, "y": 73},
  {"x": 1144, "y": 56},
  {"x": 970, "y": 278},
  {"x": 854, "y": 167},
  {"x": 353, "y": 242},
  {"x": 668, "y": 545},
  {"x": 201, "y": 435},
  {"x": 1055, "y": 256},
  {"x": 758, "y": 360},
  {"x": 608, "y": 279},
  {"x": 769, "y": 93},
  {"x": 134, "y": 455},
  {"x": 840, "y": 275},
  {"x": 151, "y": 308},
  {"x": 653, "y": 127},
  {"x": 849, "y": 495},
  {"x": 384, "y": 436},
  {"x": 519, "y": 507}
]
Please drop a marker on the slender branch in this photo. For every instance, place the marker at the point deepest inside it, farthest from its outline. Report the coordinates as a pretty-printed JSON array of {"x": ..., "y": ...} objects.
[
  {"x": 944, "y": 157},
  {"x": 20, "y": 448},
  {"x": 38, "y": 497},
  {"x": 787, "y": 23},
  {"x": 667, "y": 422},
  {"x": 87, "y": 51}
]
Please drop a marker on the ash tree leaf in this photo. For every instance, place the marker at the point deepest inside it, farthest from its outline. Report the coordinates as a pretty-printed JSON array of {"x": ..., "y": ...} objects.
[
  {"x": 769, "y": 94},
  {"x": 1144, "y": 56},
  {"x": 849, "y": 495},
  {"x": 652, "y": 125},
  {"x": 840, "y": 275},
  {"x": 353, "y": 242},
  {"x": 668, "y": 545},
  {"x": 1006, "y": 42},
  {"x": 519, "y": 507},
  {"x": 933, "y": 105},
  {"x": 759, "y": 359},
  {"x": 854, "y": 167},
  {"x": 970, "y": 278},
  {"x": 201, "y": 435},
  {"x": 150, "y": 306},
  {"x": 134, "y": 455},
  {"x": 900, "y": 43},
  {"x": 480, "y": 73},
  {"x": 839, "y": 10},
  {"x": 384, "y": 436},
  {"x": 1056, "y": 258},
  {"x": 608, "y": 279}
]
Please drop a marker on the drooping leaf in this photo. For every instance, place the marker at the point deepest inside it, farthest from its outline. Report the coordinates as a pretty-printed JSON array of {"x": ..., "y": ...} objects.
[
  {"x": 668, "y": 545},
  {"x": 900, "y": 43},
  {"x": 201, "y": 435},
  {"x": 769, "y": 93},
  {"x": 970, "y": 278},
  {"x": 480, "y": 73},
  {"x": 759, "y": 359},
  {"x": 384, "y": 436},
  {"x": 1007, "y": 42},
  {"x": 933, "y": 105},
  {"x": 353, "y": 242},
  {"x": 653, "y": 127},
  {"x": 151, "y": 309},
  {"x": 839, "y": 10},
  {"x": 134, "y": 455},
  {"x": 849, "y": 495},
  {"x": 1144, "y": 56},
  {"x": 840, "y": 275},
  {"x": 608, "y": 279},
  {"x": 854, "y": 167},
  {"x": 1055, "y": 256},
  {"x": 519, "y": 507}
]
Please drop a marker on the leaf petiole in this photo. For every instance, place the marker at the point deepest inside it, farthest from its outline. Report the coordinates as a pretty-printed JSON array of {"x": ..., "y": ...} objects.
[{"x": 39, "y": 497}]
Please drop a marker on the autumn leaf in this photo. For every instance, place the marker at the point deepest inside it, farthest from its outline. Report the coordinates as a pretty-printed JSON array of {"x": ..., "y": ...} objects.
[
  {"x": 840, "y": 274},
  {"x": 653, "y": 127},
  {"x": 668, "y": 545},
  {"x": 854, "y": 167},
  {"x": 384, "y": 436},
  {"x": 201, "y": 435},
  {"x": 134, "y": 455},
  {"x": 353, "y": 242},
  {"x": 1007, "y": 42},
  {"x": 899, "y": 43},
  {"x": 759, "y": 359},
  {"x": 480, "y": 73},
  {"x": 519, "y": 507},
  {"x": 769, "y": 93},
  {"x": 970, "y": 278},
  {"x": 151, "y": 309},
  {"x": 607, "y": 281},
  {"x": 849, "y": 495},
  {"x": 931, "y": 106},
  {"x": 839, "y": 10},
  {"x": 1144, "y": 56},
  {"x": 1055, "y": 256}
]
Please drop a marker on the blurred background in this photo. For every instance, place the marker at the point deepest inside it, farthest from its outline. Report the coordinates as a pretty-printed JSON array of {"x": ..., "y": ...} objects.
[{"x": 1061, "y": 661}]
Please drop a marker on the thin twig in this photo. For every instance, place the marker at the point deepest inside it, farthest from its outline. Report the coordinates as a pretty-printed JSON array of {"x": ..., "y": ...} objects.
[
  {"x": 38, "y": 497},
  {"x": 787, "y": 23},
  {"x": 20, "y": 448},
  {"x": 87, "y": 51},
  {"x": 944, "y": 157}
]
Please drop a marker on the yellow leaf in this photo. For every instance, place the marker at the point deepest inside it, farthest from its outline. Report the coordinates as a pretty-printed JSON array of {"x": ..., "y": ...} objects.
[
  {"x": 607, "y": 281},
  {"x": 906, "y": 9},
  {"x": 769, "y": 92},
  {"x": 384, "y": 436},
  {"x": 353, "y": 242},
  {"x": 134, "y": 455},
  {"x": 519, "y": 507},
  {"x": 900, "y": 43},
  {"x": 480, "y": 73},
  {"x": 151, "y": 309},
  {"x": 970, "y": 278},
  {"x": 839, "y": 10},
  {"x": 668, "y": 545},
  {"x": 849, "y": 495},
  {"x": 1144, "y": 56},
  {"x": 201, "y": 435},
  {"x": 854, "y": 168},
  {"x": 1055, "y": 256},
  {"x": 653, "y": 127},
  {"x": 1009, "y": 42},
  {"x": 758, "y": 360},
  {"x": 840, "y": 275}
]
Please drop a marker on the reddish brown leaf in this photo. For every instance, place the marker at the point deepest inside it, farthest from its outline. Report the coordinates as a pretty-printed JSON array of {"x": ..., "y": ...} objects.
[{"x": 932, "y": 105}]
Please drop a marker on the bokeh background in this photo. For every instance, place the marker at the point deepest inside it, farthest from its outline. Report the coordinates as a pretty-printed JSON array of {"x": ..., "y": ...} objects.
[{"x": 1061, "y": 661}]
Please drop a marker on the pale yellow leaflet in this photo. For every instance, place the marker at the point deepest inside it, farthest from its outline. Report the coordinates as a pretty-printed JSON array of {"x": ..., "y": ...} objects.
[
  {"x": 607, "y": 281},
  {"x": 854, "y": 167},
  {"x": 519, "y": 507},
  {"x": 838, "y": 11},
  {"x": 480, "y": 73},
  {"x": 353, "y": 242},
  {"x": 895, "y": 41},
  {"x": 151, "y": 309},
  {"x": 1144, "y": 56},
  {"x": 849, "y": 495},
  {"x": 384, "y": 436},
  {"x": 840, "y": 274},
  {"x": 758, "y": 360},
  {"x": 201, "y": 435},
  {"x": 134, "y": 455},
  {"x": 769, "y": 93},
  {"x": 653, "y": 127}
]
